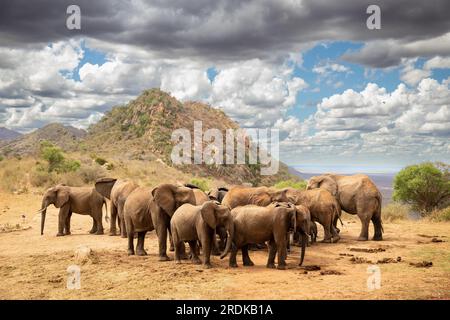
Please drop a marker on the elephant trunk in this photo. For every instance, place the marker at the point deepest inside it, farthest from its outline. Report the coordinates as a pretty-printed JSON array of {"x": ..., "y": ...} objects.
[
  {"x": 43, "y": 213},
  {"x": 304, "y": 242},
  {"x": 230, "y": 230}
]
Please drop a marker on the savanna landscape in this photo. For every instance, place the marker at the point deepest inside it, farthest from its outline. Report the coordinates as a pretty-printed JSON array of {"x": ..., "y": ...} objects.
[{"x": 133, "y": 142}]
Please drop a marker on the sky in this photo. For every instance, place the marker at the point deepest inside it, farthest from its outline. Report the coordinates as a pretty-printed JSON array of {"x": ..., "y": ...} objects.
[{"x": 344, "y": 97}]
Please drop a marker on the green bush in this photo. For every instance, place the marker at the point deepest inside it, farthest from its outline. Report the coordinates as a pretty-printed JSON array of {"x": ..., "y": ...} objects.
[
  {"x": 395, "y": 211},
  {"x": 203, "y": 184},
  {"x": 291, "y": 183},
  {"x": 424, "y": 186},
  {"x": 56, "y": 160},
  {"x": 100, "y": 161},
  {"x": 440, "y": 215},
  {"x": 2, "y": 158}
]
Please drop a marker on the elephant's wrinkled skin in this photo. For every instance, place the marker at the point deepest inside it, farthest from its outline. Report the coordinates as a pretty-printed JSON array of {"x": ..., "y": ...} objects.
[
  {"x": 323, "y": 207},
  {"x": 81, "y": 200},
  {"x": 356, "y": 194},
  {"x": 260, "y": 196},
  {"x": 147, "y": 209},
  {"x": 198, "y": 223},
  {"x": 116, "y": 190},
  {"x": 256, "y": 224}
]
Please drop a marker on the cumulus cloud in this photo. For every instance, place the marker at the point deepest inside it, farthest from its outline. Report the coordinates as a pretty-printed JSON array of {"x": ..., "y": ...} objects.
[{"x": 374, "y": 121}]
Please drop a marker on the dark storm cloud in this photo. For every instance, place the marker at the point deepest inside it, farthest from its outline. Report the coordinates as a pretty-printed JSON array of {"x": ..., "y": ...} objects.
[{"x": 226, "y": 29}]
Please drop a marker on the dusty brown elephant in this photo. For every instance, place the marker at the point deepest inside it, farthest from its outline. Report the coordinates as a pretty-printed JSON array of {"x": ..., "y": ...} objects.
[
  {"x": 260, "y": 196},
  {"x": 198, "y": 223},
  {"x": 323, "y": 207},
  {"x": 256, "y": 224},
  {"x": 200, "y": 196},
  {"x": 82, "y": 200},
  {"x": 356, "y": 194},
  {"x": 116, "y": 190},
  {"x": 146, "y": 209}
]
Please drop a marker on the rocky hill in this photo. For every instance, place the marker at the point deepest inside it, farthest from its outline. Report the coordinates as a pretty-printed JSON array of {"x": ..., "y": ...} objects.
[
  {"x": 141, "y": 130},
  {"x": 66, "y": 137},
  {"x": 6, "y": 134}
]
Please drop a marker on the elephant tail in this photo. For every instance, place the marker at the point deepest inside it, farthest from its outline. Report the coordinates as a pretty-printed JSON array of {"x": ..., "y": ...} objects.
[{"x": 106, "y": 210}]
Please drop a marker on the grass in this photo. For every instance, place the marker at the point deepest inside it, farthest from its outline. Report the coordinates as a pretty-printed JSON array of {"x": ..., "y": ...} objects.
[
  {"x": 203, "y": 184},
  {"x": 440, "y": 215},
  {"x": 395, "y": 211},
  {"x": 296, "y": 184}
]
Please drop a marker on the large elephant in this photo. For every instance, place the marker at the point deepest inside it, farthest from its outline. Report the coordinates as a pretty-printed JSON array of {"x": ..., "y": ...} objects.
[
  {"x": 256, "y": 224},
  {"x": 116, "y": 190},
  {"x": 323, "y": 207},
  {"x": 260, "y": 196},
  {"x": 198, "y": 223},
  {"x": 82, "y": 200},
  {"x": 357, "y": 194},
  {"x": 147, "y": 209}
]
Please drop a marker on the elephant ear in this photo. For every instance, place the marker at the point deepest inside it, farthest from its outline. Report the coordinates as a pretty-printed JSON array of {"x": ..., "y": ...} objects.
[
  {"x": 164, "y": 198},
  {"x": 328, "y": 183},
  {"x": 208, "y": 212},
  {"x": 104, "y": 186},
  {"x": 278, "y": 195},
  {"x": 62, "y": 196}
]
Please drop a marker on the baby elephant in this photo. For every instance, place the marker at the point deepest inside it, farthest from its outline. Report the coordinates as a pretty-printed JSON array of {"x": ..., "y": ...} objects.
[
  {"x": 254, "y": 224},
  {"x": 198, "y": 223}
]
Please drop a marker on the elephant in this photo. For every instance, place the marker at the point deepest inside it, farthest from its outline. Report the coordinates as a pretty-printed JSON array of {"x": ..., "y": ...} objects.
[
  {"x": 116, "y": 190},
  {"x": 313, "y": 232},
  {"x": 82, "y": 200},
  {"x": 217, "y": 193},
  {"x": 304, "y": 220},
  {"x": 256, "y": 224},
  {"x": 261, "y": 196},
  {"x": 356, "y": 194},
  {"x": 323, "y": 207},
  {"x": 147, "y": 209},
  {"x": 200, "y": 196},
  {"x": 198, "y": 223}
]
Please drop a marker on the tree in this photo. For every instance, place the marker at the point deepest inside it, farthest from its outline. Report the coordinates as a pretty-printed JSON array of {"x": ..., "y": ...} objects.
[{"x": 425, "y": 186}]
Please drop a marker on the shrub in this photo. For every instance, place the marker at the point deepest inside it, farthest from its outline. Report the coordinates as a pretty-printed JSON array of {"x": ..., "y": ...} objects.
[
  {"x": 203, "y": 184},
  {"x": 89, "y": 174},
  {"x": 52, "y": 154},
  {"x": 395, "y": 211},
  {"x": 100, "y": 161},
  {"x": 291, "y": 183},
  {"x": 440, "y": 215},
  {"x": 41, "y": 178},
  {"x": 424, "y": 186},
  {"x": 2, "y": 158}
]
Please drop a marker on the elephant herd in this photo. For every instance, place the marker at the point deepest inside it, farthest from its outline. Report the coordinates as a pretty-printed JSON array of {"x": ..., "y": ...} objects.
[{"x": 223, "y": 220}]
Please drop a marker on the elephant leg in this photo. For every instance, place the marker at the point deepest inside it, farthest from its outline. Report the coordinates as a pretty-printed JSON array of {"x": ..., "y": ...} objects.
[
  {"x": 282, "y": 253},
  {"x": 194, "y": 252},
  {"x": 172, "y": 245},
  {"x": 364, "y": 235},
  {"x": 206, "y": 245},
  {"x": 121, "y": 220},
  {"x": 97, "y": 215},
  {"x": 62, "y": 219},
  {"x": 161, "y": 231},
  {"x": 378, "y": 226},
  {"x": 94, "y": 226},
  {"x": 140, "y": 251},
  {"x": 112, "y": 225},
  {"x": 130, "y": 243},
  {"x": 245, "y": 257},
  {"x": 233, "y": 254},
  {"x": 272, "y": 254},
  {"x": 67, "y": 225}
]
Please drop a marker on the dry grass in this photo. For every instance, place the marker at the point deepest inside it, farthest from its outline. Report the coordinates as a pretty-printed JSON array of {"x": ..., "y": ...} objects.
[
  {"x": 439, "y": 215},
  {"x": 395, "y": 211}
]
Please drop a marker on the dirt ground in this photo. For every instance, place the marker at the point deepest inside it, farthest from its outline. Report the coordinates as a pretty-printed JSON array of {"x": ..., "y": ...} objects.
[{"x": 35, "y": 267}]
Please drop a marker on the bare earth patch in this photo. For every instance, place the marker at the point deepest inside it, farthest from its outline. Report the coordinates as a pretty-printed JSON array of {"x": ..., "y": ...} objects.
[{"x": 35, "y": 267}]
